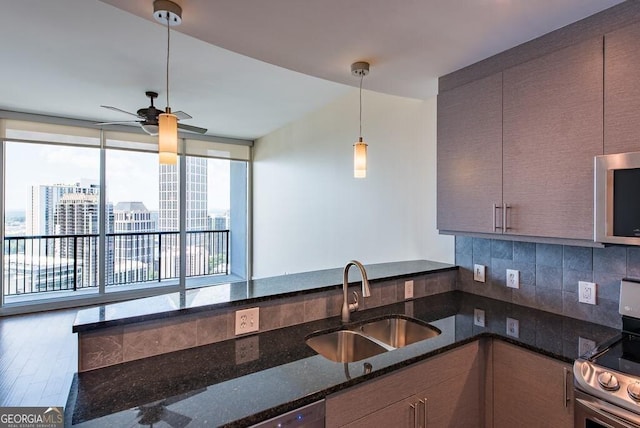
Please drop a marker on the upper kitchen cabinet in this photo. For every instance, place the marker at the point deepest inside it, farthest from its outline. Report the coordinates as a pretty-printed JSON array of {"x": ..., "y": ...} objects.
[
  {"x": 622, "y": 90},
  {"x": 470, "y": 155},
  {"x": 552, "y": 129}
]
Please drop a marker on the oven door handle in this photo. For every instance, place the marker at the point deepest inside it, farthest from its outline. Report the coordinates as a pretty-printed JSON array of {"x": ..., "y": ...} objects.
[{"x": 607, "y": 412}]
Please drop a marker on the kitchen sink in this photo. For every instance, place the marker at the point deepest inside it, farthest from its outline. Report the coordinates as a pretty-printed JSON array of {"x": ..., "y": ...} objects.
[
  {"x": 398, "y": 331},
  {"x": 344, "y": 346},
  {"x": 368, "y": 338}
]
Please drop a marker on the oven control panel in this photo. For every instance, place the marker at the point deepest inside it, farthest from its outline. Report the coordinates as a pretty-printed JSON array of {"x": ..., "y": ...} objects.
[{"x": 615, "y": 387}]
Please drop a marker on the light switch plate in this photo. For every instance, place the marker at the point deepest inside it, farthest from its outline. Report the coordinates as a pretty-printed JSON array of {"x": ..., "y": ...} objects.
[
  {"x": 513, "y": 278},
  {"x": 247, "y": 320},
  {"x": 478, "y": 273},
  {"x": 587, "y": 292},
  {"x": 513, "y": 327},
  {"x": 408, "y": 289},
  {"x": 478, "y": 317}
]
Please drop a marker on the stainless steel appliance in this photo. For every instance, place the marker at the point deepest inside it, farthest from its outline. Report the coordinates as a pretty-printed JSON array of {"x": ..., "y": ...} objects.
[
  {"x": 309, "y": 416},
  {"x": 616, "y": 202},
  {"x": 607, "y": 379}
]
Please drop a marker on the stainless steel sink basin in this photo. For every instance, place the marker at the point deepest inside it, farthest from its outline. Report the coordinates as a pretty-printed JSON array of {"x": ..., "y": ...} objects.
[
  {"x": 369, "y": 338},
  {"x": 397, "y": 331},
  {"x": 344, "y": 346}
]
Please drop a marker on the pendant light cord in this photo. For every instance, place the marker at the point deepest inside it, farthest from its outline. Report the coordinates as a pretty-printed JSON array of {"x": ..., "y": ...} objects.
[
  {"x": 361, "y": 77},
  {"x": 168, "y": 44}
]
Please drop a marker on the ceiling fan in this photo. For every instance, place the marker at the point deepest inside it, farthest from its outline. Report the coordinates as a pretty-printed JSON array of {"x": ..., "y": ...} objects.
[{"x": 148, "y": 117}]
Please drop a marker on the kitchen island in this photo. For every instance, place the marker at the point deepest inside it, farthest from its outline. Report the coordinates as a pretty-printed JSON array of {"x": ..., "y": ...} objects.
[{"x": 242, "y": 381}]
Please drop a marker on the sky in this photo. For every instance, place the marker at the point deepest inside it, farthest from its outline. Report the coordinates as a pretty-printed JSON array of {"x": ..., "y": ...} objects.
[{"x": 131, "y": 176}]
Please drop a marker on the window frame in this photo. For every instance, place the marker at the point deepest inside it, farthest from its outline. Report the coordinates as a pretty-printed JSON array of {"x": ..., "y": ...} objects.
[{"x": 116, "y": 137}]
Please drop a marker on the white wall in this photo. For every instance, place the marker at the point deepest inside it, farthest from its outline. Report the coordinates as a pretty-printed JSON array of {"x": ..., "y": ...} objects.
[{"x": 309, "y": 213}]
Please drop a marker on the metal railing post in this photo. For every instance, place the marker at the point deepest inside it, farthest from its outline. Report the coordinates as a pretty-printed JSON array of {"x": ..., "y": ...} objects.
[{"x": 75, "y": 263}]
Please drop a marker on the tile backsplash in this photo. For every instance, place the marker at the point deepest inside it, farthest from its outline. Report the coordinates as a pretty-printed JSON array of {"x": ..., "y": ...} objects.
[{"x": 549, "y": 275}]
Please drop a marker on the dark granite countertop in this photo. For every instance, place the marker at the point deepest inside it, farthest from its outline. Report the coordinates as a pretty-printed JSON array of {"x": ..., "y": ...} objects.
[
  {"x": 240, "y": 293},
  {"x": 240, "y": 382}
]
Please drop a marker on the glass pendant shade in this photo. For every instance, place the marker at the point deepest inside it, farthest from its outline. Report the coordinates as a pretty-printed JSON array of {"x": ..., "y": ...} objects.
[
  {"x": 360, "y": 159},
  {"x": 168, "y": 138}
]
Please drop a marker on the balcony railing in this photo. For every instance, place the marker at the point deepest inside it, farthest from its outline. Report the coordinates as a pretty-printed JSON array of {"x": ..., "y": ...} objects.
[{"x": 36, "y": 264}]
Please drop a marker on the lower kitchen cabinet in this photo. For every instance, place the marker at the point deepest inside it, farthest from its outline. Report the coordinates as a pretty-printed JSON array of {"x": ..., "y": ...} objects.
[
  {"x": 530, "y": 390},
  {"x": 443, "y": 391},
  {"x": 488, "y": 383}
]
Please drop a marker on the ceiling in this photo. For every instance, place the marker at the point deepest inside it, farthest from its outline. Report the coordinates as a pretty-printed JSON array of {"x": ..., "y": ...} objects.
[{"x": 244, "y": 68}]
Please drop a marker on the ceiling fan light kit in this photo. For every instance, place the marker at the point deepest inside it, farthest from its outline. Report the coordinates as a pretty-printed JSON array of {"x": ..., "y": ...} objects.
[{"x": 360, "y": 69}]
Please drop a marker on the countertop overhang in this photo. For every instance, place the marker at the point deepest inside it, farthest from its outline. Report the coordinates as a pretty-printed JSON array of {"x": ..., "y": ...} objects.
[{"x": 222, "y": 296}]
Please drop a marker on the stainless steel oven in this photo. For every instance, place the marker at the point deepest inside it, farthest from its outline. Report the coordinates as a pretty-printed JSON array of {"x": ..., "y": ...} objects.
[
  {"x": 607, "y": 379},
  {"x": 591, "y": 412}
]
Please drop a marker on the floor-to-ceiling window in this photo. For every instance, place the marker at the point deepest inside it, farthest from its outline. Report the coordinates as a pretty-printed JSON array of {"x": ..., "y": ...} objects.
[{"x": 89, "y": 213}]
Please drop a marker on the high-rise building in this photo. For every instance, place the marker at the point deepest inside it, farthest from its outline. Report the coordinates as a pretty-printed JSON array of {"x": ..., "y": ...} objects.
[
  {"x": 77, "y": 215},
  {"x": 221, "y": 222},
  {"x": 42, "y": 202},
  {"x": 196, "y": 185},
  {"x": 133, "y": 249},
  {"x": 197, "y": 219}
]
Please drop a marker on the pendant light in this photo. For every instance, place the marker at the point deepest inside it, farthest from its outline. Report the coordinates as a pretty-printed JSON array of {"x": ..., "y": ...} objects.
[
  {"x": 360, "y": 69},
  {"x": 170, "y": 14}
]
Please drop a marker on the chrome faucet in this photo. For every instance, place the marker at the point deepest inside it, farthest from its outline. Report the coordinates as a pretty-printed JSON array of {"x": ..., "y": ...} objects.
[{"x": 347, "y": 307}]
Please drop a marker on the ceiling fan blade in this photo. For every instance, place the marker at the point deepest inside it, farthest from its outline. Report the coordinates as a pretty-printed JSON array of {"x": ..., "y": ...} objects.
[
  {"x": 122, "y": 122},
  {"x": 190, "y": 128},
  {"x": 182, "y": 115},
  {"x": 122, "y": 111}
]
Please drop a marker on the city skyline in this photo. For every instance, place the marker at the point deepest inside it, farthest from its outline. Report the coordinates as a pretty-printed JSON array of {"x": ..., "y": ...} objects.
[{"x": 131, "y": 176}]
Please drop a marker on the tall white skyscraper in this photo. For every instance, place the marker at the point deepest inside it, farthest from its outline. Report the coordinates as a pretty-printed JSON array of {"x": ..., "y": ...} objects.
[
  {"x": 196, "y": 219},
  {"x": 169, "y": 215}
]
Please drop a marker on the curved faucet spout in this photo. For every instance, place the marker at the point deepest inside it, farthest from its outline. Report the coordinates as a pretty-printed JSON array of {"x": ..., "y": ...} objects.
[{"x": 347, "y": 307}]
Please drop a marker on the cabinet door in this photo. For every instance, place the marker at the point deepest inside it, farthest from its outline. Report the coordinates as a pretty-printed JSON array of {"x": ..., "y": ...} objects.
[
  {"x": 530, "y": 390},
  {"x": 403, "y": 414},
  {"x": 455, "y": 403},
  {"x": 389, "y": 394},
  {"x": 470, "y": 155},
  {"x": 621, "y": 90},
  {"x": 553, "y": 126}
]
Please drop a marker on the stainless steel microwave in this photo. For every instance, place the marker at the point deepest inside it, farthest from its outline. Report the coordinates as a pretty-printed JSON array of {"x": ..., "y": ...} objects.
[{"x": 617, "y": 198}]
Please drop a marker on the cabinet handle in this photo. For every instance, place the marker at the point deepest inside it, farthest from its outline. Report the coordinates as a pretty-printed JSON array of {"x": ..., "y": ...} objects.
[
  {"x": 566, "y": 384},
  {"x": 505, "y": 226},
  {"x": 495, "y": 209},
  {"x": 424, "y": 403},
  {"x": 415, "y": 414}
]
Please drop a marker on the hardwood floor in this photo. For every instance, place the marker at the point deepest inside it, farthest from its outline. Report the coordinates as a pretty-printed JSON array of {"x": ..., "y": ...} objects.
[{"x": 38, "y": 357}]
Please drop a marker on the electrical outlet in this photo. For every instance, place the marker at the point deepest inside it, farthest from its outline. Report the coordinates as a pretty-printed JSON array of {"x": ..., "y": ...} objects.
[
  {"x": 478, "y": 272},
  {"x": 247, "y": 349},
  {"x": 408, "y": 289},
  {"x": 478, "y": 317},
  {"x": 513, "y": 327},
  {"x": 585, "y": 345},
  {"x": 247, "y": 320},
  {"x": 513, "y": 278},
  {"x": 587, "y": 292}
]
